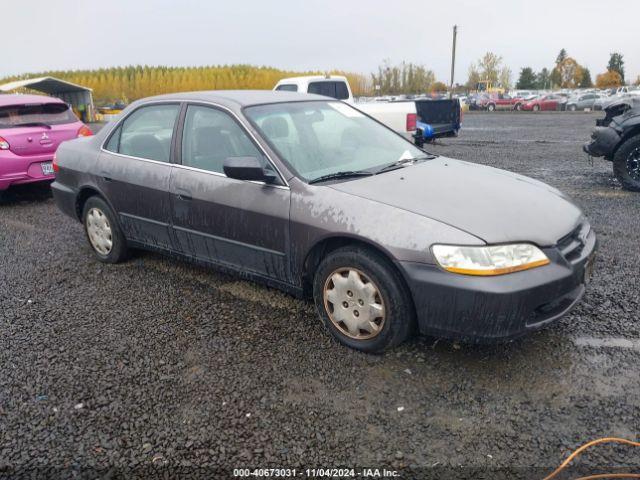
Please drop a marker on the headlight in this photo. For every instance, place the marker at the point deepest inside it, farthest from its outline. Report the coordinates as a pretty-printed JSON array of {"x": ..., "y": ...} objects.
[{"x": 490, "y": 260}]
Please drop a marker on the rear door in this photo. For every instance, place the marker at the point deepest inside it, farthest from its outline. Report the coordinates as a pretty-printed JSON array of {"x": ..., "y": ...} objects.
[
  {"x": 241, "y": 224},
  {"x": 134, "y": 171}
]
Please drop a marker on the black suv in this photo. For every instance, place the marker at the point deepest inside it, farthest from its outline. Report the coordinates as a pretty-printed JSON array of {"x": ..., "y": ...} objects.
[{"x": 617, "y": 139}]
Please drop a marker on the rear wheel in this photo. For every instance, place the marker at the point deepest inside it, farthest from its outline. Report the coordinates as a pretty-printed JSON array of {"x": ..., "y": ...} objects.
[
  {"x": 491, "y": 107},
  {"x": 626, "y": 164},
  {"x": 103, "y": 232},
  {"x": 518, "y": 107},
  {"x": 572, "y": 108},
  {"x": 362, "y": 299}
]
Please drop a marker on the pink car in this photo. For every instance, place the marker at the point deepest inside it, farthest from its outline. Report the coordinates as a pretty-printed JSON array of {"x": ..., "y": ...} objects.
[{"x": 31, "y": 128}]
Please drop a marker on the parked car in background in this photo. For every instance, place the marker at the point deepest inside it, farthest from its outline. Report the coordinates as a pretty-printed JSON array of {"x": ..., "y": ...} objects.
[
  {"x": 582, "y": 102},
  {"x": 476, "y": 100},
  {"x": 308, "y": 194},
  {"x": 545, "y": 103},
  {"x": 501, "y": 101},
  {"x": 31, "y": 129},
  {"x": 523, "y": 94},
  {"x": 605, "y": 101},
  {"x": 423, "y": 118}
]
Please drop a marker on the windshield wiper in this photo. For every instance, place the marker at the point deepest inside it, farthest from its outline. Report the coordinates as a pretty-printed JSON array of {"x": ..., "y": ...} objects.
[
  {"x": 346, "y": 174},
  {"x": 33, "y": 124},
  {"x": 400, "y": 163}
]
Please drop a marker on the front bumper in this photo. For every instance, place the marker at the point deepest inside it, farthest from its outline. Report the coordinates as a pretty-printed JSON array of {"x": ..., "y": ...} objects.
[
  {"x": 603, "y": 142},
  {"x": 486, "y": 309},
  {"x": 15, "y": 170}
]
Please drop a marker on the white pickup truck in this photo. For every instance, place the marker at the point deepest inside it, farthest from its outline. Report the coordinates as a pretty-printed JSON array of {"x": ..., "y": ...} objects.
[{"x": 422, "y": 119}]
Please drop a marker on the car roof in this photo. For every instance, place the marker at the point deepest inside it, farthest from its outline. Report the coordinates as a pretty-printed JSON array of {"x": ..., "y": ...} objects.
[
  {"x": 239, "y": 98},
  {"x": 20, "y": 99}
]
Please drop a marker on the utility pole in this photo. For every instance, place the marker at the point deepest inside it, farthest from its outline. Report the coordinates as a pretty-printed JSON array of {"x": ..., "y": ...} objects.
[{"x": 453, "y": 59}]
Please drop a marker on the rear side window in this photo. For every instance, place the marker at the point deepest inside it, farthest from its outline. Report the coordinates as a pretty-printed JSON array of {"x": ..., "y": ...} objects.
[
  {"x": 29, "y": 114},
  {"x": 146, "y": 133},
  {"x": 287, "y": 87},
  {"x": 336, "y": 90}
]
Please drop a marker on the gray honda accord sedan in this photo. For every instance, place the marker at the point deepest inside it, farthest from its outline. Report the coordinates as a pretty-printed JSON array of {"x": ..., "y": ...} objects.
[{"x": 310, "y": 195}]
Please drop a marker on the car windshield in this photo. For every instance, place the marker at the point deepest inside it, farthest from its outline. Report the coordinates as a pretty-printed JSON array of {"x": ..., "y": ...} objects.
[
  {"x": 320, "y": 138},
  {"x": 29, "y": 114}
]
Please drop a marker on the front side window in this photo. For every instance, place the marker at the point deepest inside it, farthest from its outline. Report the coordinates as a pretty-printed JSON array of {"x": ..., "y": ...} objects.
[
  {"x": 210, "y": 136},
  {"x": 146, "y": 133},
  {"x": 322, "y": 138}
]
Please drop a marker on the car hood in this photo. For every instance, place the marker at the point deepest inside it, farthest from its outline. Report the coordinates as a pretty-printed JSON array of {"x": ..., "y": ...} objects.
[{"x": 494, "y": 205}]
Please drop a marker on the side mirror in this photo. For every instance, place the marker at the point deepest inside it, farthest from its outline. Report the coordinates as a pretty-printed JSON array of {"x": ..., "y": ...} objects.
[{"x": 247, "y": 168}]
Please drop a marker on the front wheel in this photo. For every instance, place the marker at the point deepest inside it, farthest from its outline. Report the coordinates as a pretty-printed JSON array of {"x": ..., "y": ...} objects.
[
  {"x": 572, "y": 108},
  {"x": 362, "y": 300},
  {"x": 536, "y": 108},
  {"x": 626, "y": 164},
  {"x": 518, "y": 107},
  {"x": 491, "y": 107},
  {"x": 103, "y": 232}
]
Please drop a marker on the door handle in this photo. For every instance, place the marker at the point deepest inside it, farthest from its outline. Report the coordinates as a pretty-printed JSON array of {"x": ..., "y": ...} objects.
[{"x": 184, "y": 197}]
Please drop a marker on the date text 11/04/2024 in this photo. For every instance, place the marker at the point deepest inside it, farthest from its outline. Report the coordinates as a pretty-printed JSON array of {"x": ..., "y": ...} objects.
[{"x": 316, "y": 472}]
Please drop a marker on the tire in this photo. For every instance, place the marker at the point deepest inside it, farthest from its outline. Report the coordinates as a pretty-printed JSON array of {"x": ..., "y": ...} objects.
[
  {"x": 491, "y": 107},
  {"x": 518, "y": 107},
  {"x": 536, "y": 108},
  {"x": 103, "y": 231},
  {"x": 353, "y": 263},
  {"x": 626, "y": 164},
  {"x": 572, "y": 108}
]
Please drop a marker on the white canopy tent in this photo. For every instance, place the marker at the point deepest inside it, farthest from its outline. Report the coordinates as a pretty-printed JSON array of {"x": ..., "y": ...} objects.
[{"x": 79, "y": 97}]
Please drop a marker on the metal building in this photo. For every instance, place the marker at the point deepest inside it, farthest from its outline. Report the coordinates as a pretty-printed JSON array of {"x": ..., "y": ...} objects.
[{"x": 80, "y": 98}]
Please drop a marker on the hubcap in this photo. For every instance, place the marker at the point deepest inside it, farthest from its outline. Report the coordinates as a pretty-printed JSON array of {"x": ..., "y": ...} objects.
[
  {"x": 354, "y": 304},
  {"x": 99, "y": 231},
  {"x": 633, "y": 164}
]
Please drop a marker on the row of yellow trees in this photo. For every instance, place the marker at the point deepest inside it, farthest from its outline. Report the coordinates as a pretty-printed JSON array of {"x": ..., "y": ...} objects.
[{"x": 133, "y": 82}]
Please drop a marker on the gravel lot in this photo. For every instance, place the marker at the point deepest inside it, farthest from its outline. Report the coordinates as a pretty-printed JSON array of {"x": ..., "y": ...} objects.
[{"x": 160, "y": 366}]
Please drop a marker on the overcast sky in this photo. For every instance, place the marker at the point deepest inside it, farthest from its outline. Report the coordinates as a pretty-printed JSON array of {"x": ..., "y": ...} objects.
[{"x": 354, "y": 35}]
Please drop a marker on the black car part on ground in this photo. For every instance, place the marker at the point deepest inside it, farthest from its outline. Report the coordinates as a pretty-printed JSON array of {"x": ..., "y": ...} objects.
[{"x": 617, "y": 139}]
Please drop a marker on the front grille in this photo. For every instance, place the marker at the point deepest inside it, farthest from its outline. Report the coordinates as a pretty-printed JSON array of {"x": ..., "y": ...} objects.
[{"x": 572, "y": 245}]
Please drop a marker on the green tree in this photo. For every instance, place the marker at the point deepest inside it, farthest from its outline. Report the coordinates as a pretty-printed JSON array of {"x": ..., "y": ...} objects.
[
  {"x": 527, "y": 79},
  {"x": 585, "y": 81},
  {"x": 543, "y": 79},
  {"x": 616, "y": 64},
  {"x": 561, "y": 56}
]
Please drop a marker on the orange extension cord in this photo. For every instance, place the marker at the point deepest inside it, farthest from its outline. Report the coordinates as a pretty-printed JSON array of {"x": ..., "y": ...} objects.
[{"x": 601, "y": 475}]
